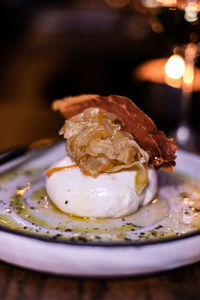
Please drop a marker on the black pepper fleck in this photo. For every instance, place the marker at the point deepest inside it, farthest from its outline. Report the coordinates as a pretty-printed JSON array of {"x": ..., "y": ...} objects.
[
  {"x": 158, "y": 227},
  {"x": 82, "y": 239},
  {"x": 57, "y": 236},
  {"x": 127, "y": 239},
  {"x": 129, "y": 224},
  {"x": 68, "y": 230}
]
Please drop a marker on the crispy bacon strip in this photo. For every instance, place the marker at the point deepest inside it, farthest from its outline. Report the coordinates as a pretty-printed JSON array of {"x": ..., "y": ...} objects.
[{"x": 161, "y": 150}]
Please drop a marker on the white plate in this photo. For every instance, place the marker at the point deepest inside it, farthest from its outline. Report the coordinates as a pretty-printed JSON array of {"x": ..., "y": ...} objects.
[{"x": 34, "y": 235}]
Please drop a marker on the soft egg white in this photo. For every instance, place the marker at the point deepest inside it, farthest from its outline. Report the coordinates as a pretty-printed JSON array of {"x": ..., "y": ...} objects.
[{"x": 107, "y": 195}]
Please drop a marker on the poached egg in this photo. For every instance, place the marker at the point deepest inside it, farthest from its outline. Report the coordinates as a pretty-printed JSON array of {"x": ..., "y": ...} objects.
[{"x": 105, "y": 196}]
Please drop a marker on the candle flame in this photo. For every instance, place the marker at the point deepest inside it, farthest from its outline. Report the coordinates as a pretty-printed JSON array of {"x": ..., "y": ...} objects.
[
  {"x": 175, "y": 67},
  {"x": 155, "y": 71},
  {"x": 174, "y": 71}
]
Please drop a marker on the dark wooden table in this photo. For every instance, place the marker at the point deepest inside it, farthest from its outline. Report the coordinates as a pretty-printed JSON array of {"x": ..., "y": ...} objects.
[{"x": 21, "y": 284}]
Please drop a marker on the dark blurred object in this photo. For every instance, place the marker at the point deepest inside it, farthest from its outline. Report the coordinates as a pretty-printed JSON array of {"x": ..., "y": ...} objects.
[
  {"x": 55, "y": 49},
  {"x": 170, "y": 18},
  {"x": 176, "y": 21}
]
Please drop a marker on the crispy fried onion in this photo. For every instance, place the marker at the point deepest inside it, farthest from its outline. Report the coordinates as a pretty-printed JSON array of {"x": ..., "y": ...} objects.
[
  {"x": 161, "y": 150},
  {"x": 95, "y": 141}
]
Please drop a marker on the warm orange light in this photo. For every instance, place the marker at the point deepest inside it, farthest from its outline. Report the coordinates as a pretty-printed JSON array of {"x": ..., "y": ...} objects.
[
  {"x": 175, "y": 67},
  {"x": 167, "y": 2},
  {"x": 154, "y": 3},
  {"x": 191, "y": 6},
  {"x": 117, "y": 3},
  {"x": 174, "y": 70},
  {"x": 157, "y": 27},
  {"x": 188, "y": 78},
  {"x": 154, "y": 71}
]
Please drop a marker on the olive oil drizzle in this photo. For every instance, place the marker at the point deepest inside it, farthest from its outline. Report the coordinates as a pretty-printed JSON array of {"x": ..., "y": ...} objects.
[{"x": 36, "y": 214}]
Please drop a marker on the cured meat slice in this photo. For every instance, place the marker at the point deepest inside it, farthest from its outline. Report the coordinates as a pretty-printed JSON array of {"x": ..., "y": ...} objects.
[{"x": 161, "y": 149}]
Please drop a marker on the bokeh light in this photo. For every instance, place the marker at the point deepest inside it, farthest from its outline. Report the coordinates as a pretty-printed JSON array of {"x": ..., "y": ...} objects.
[{"x": 175, "y": 67}]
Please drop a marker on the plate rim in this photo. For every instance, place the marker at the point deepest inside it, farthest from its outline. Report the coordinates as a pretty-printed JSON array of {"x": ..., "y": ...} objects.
[{"x": 102, "y": 244}]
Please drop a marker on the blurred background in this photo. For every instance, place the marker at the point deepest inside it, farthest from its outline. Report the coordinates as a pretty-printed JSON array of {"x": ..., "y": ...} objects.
[{"x": 52, "y": 49}]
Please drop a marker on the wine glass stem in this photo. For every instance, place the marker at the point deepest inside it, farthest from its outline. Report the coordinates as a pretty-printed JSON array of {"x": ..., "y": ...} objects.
[
  {"x": 188, "y": 80},
  {"x": 184, "y": 135}
]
